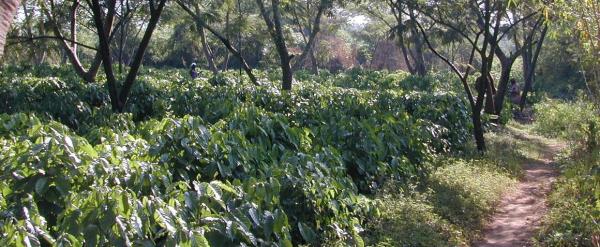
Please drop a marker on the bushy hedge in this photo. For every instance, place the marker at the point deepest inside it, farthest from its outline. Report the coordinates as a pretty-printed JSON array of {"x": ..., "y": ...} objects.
[
  {"x": 577, "y": 121},
  {"x": 194, "y": 162}
]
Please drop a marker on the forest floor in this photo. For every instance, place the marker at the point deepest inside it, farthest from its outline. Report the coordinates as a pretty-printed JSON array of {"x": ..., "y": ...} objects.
[{"x": 521, "y": 210}]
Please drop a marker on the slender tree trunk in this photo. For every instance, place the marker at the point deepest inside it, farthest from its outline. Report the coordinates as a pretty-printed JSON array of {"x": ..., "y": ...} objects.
[
  {"x": 44, "y": 47},
  {"x": 420, "y": 67},
  {"x": 227, "y": 33},
  {"x": 139, "y": 54},
  {"x": 312, "y": 38},
  {"x": 502, "y": 85},
  {"x": 309, "y": 42},
  {"x": 122, "y": 45},
  {"x": 235, "y": 53},
  {"x": 529, "y": 65},
  {"x": 313, "y": 61},
  {"x": 276, "y": 31},
  {"x": 284, "y": 56},
  {"x": 207, "y": 51},
  {"x": 478, "y": 130},
  {"x": 405, "y": 54},
  {"x": 490, "y": 107},
  {"x": 481, "y": 86},
  {"x": 419, "y": 58}
]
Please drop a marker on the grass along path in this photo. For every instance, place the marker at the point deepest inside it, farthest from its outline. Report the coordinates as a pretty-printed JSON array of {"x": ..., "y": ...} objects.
[{"x": 520, "y": 211}]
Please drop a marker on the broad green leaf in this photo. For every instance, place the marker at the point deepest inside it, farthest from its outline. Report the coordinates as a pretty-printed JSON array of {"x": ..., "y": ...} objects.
[{"x": 307, "y": 233}]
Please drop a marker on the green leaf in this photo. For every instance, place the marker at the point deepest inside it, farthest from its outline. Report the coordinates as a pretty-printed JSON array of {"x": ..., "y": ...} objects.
[
  {"x": 223, "y": 186},
  {"x": 199, "y": 240},
  {"x": 165, "y": 220},
  {"x": 89, "y": 150},
  {"x": 41, "y": 185},
  {"x": 307, "y": 233},
  {"x": 68, "y": 142},
  {"x": 280, "y": 221}
]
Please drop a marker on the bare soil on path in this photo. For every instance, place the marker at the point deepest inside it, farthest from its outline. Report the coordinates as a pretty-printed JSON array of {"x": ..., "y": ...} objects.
[{"x": 520, "y": 212}]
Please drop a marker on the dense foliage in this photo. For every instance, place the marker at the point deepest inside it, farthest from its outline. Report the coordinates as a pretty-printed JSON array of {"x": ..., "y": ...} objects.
[
  {"x": 210, "y": 160},
  {"x": 577, "y": 122},
  {"x": 575, "y": 202}
]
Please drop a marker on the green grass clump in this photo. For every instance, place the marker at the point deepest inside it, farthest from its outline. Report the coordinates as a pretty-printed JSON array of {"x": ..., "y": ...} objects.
[
  {"x": 412, "y": 221},
  {"x": 577, "y": 122},
  {"x": 447, "y": 210},
  {"x": 465, "y": 192},
  {"x": 574, "y": 217}
]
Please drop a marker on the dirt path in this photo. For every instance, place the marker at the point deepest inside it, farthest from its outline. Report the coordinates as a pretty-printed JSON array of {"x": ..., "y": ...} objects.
[{"x": 519, "y": 213}]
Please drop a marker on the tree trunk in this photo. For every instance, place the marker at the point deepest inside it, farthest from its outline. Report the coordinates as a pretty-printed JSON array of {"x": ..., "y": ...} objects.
[
  {"x": 234, "y": 52},
  {"x": 490, "y": 92},
  {"x": 41, "y": 57},
  {"x": 478, "y": 130},
  {"x": 276, "y": 31},
  {"x": 418, "y": 57},
  {"x": 207, "y": 52},
  {"x": 227, "y": 33},
  {"x": 420, "y": 67},
  {"x": 312, "y": 38},
  {"x": 405, "y": 54},
  {"x": 29, "y": 30},
  {"x": 284, "y": 56},
  {"x": 529, "y": 65},
  {"x": 119, "y": 99},
  {"x": 502, "y": 85},
  {"x": 313, "y": 61},
  {"x": 482, "y": 86},
  {"x": 139, "y": 54}
]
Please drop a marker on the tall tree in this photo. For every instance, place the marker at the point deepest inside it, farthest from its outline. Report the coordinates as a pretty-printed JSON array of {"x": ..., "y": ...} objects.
[
  {"x": 274, "y": 20},
  {"x": 534, "y": 34},
  {"x": 274, "y": 23},
  {"x": 311, "y": 30},
  {"x": 479, "y": 24},
  {"x": 528, "y": 12},
  {"x": 408, "y": 35},
  {"x": 102, "y": 16}
]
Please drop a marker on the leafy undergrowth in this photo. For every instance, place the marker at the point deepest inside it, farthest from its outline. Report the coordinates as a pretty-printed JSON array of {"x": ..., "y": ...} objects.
[
  {"x": 196, "y": 163},
  {"x": 577, "y": 122},
  {"x": 574, "y": 218}
]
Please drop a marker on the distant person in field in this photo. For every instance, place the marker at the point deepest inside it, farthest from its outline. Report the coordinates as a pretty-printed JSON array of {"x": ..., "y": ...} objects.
[
  {"x": 515, "y": 93},
  {"x": 193, "y": 72}
]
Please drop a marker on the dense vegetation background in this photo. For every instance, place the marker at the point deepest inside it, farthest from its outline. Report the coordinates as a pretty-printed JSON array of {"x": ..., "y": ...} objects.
[{"x": 312, "y": 122}]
